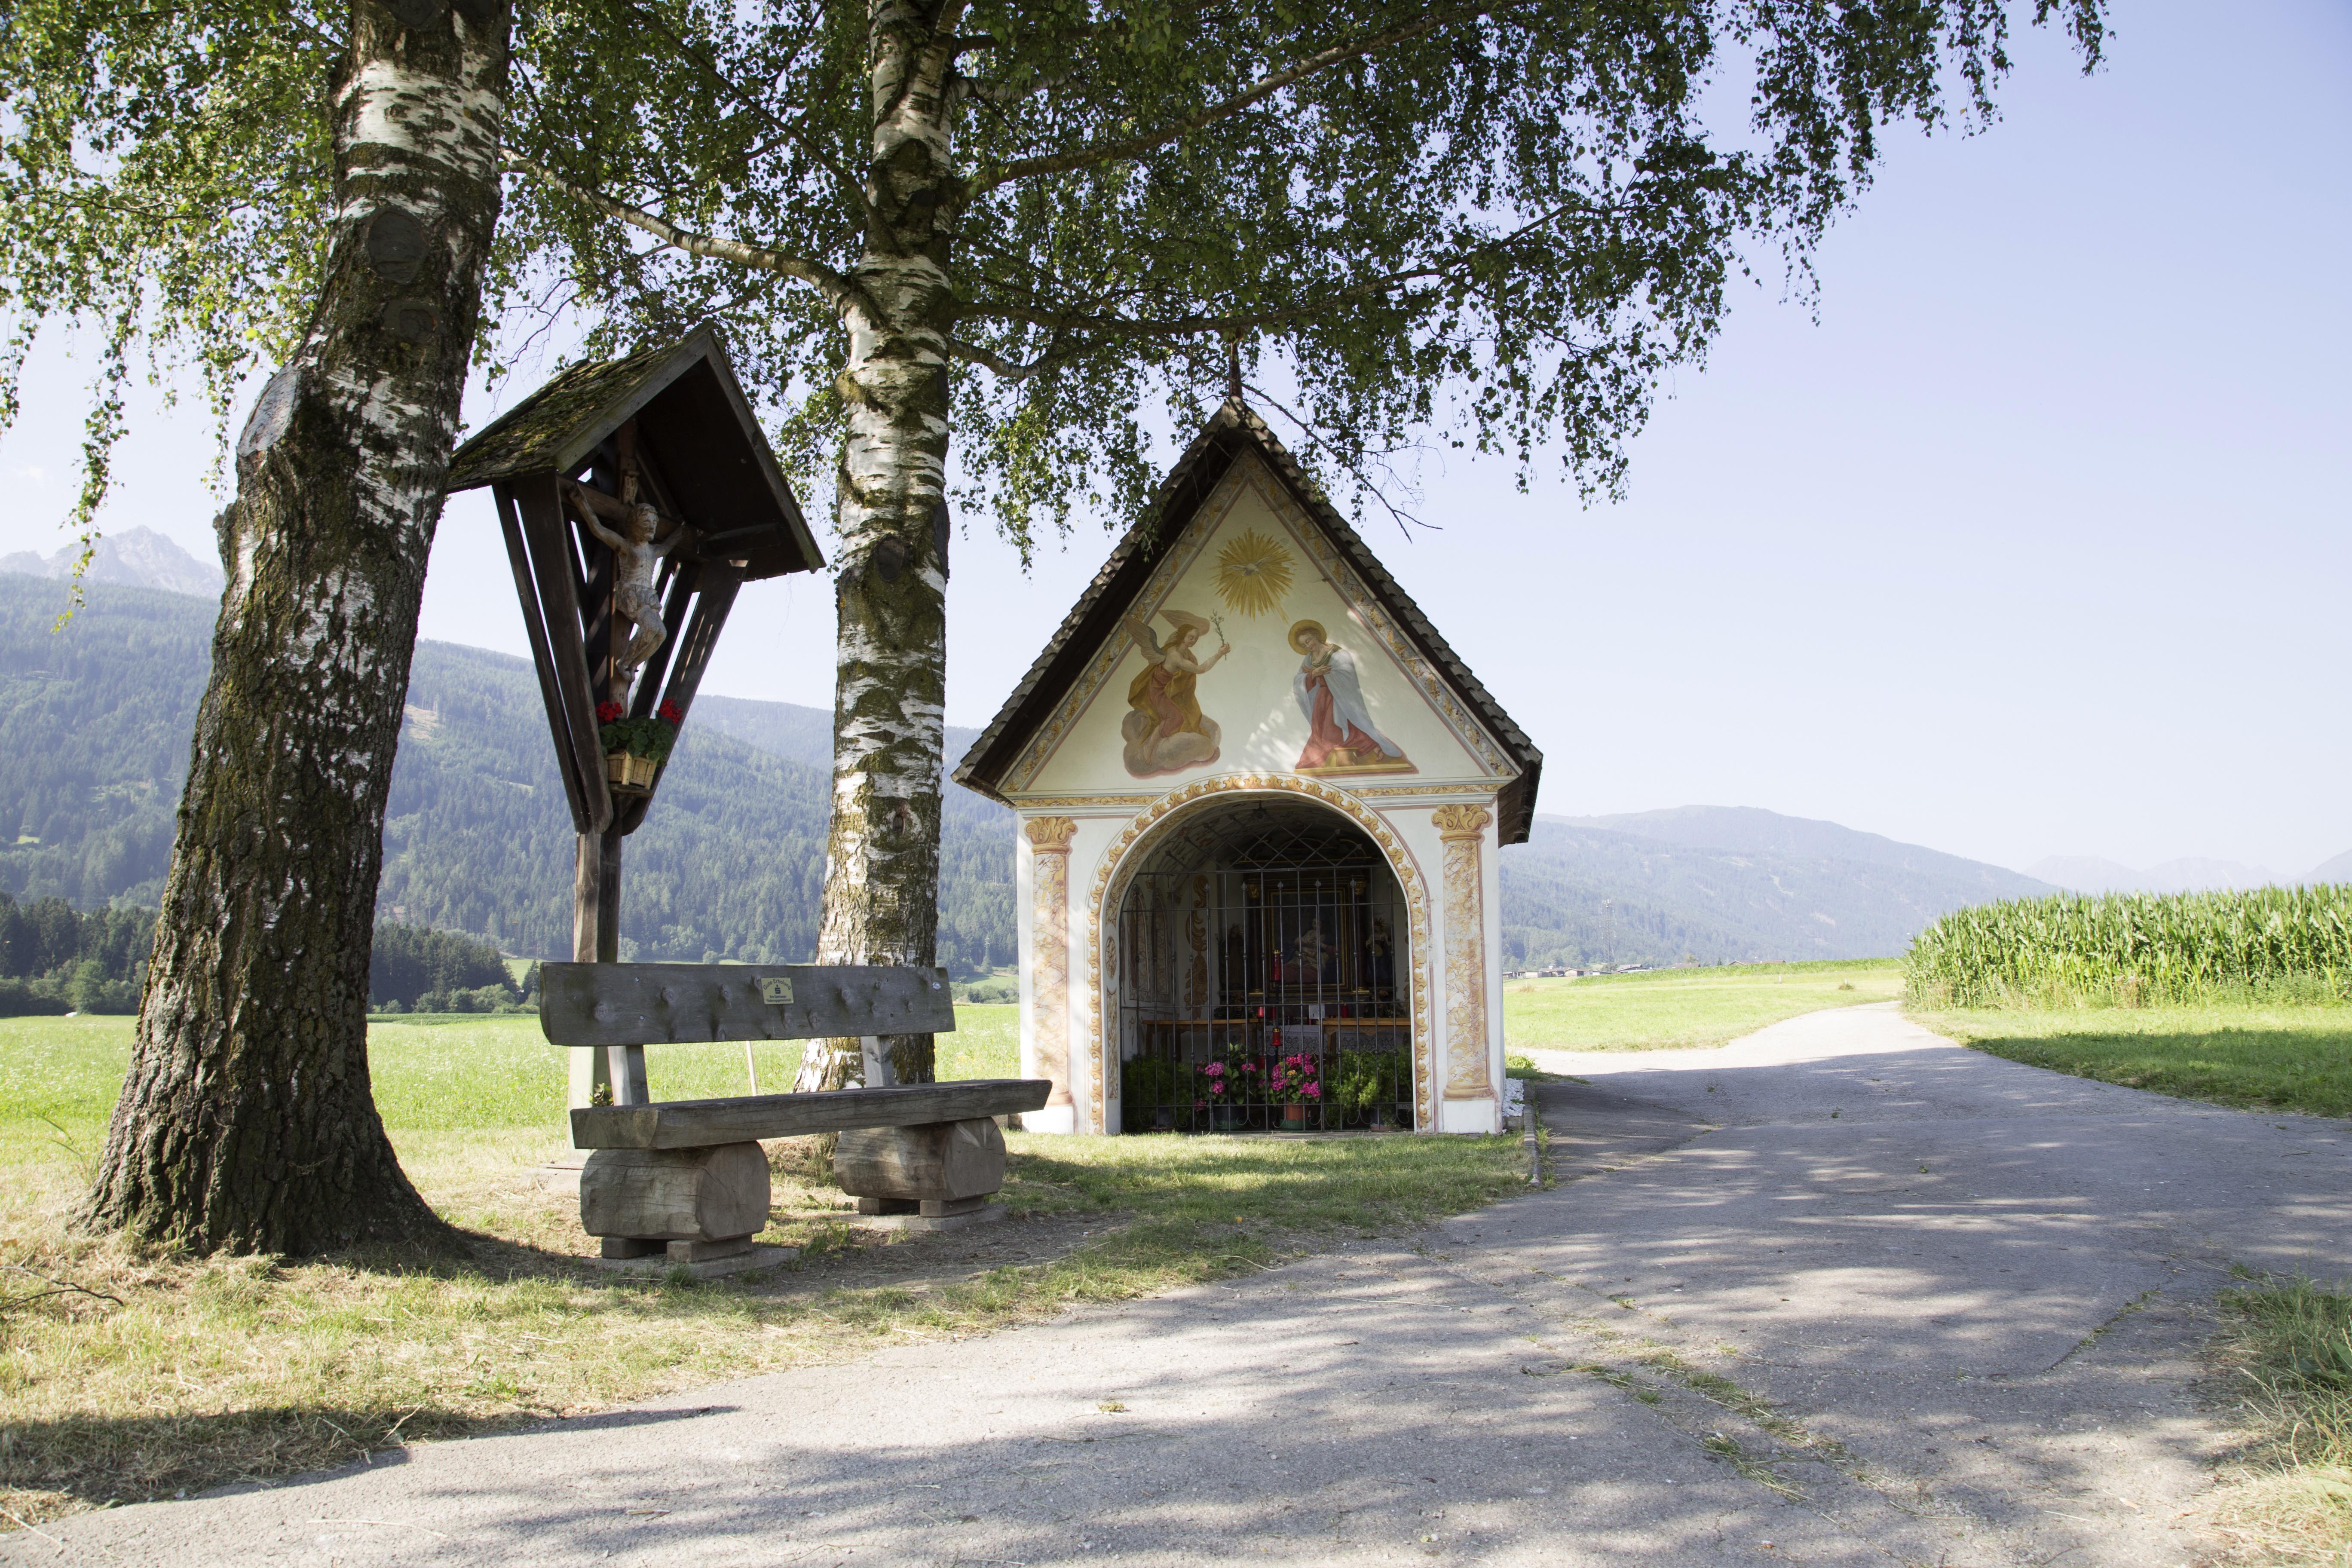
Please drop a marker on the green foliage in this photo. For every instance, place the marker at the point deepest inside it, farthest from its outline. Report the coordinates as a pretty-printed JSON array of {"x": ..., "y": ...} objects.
[
  {"x": 643, "y": 735},
  {"x": 1370, "y": 1082},
  {"x": 2136, "y": 948},
  {"x": 1150, "y": 1086},
  {"x": 166, "y": 173},
  {"x": 1499, "y": 224},
  {"x": 426, "y": 971},
  {"x": 54, "y": 958}
]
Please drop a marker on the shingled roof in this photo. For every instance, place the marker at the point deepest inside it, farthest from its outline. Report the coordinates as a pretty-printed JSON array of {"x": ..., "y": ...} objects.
[
  {"x": 1231, "y": 433},
  {"x": 693, "y": 421}
]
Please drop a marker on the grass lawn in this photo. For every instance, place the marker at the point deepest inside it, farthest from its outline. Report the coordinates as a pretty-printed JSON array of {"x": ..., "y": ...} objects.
[
  {"x": 163, "y": 1372},
  {"x": 1684, "y": 1007},
  {"x": 2284, "y": 1356},
  {"x": 2267, "y": 1057}
]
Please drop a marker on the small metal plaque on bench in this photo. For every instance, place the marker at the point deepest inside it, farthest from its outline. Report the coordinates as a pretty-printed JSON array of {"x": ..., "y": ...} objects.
[{"x": 776, "y": 990}]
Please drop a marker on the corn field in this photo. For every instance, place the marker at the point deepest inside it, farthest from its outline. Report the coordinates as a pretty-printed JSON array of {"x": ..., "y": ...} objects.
[{"x": 2134, "y": 949}]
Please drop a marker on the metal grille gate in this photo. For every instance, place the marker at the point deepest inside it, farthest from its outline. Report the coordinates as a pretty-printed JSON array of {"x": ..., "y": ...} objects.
[{"x": 1262, "y": 980}]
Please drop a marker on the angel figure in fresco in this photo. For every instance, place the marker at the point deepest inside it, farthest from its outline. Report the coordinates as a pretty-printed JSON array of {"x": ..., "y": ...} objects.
[
  {"x": 644, "y": 538},
  {"x": 1341, "y": 736},
  {"x": 1165, "y": 729}
]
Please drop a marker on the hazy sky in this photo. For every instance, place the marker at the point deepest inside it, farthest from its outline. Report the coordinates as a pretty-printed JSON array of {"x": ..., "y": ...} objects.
[{"x": 2034, "y": 543}]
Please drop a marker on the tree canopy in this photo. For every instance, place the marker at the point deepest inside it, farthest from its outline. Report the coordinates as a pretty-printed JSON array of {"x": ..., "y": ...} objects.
[{"x": 1492, "y": 225}]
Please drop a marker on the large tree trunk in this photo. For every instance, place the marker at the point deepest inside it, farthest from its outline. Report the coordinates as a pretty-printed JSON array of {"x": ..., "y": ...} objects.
[
  {"x": 246, "y": 1122},
  {"x": 882, "y": 861}
]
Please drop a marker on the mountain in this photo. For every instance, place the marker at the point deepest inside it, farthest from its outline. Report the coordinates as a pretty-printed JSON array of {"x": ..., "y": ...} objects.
[
  {"x": 133, "y": 557},
  {"x": 1725, "y": 883},
  {"x": 1750, "y": 830},
  {"x": 2336, "y": 870},
  {"x": 2089, "y": 874},
  {"x": 797, "y": 733},
  {"x": 2086, "y": 874},
  {"x": 94, "y": 725}
]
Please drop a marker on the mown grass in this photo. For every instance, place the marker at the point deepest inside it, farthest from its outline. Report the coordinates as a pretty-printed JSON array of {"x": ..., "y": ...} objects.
[
  {"x": 2286, "y": 1353},
  {"x": 2250, "y": 1056},
  {"x": 164, "y": 1372},
  {"x": 1684, "y": 1007}
]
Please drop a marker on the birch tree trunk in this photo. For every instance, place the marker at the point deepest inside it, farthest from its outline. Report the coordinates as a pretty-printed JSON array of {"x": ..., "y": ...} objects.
[
  {"x": 882, "y": 859},
  {"x": 246, "y": 1122}
]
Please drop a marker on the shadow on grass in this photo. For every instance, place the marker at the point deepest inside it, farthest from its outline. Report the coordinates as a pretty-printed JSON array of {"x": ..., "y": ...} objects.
[
  {"x": 50, "y": 1468},
  {"x": 2249, "y": 1068}
]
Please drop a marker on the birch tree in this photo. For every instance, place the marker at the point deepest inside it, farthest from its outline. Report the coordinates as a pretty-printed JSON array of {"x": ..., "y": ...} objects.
[
  {"x": 1031, "y": 228},
  {"x": 343, "y": 167}
]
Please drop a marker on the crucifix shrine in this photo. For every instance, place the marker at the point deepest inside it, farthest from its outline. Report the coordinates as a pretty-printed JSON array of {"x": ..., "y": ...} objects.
[{"x": 636, "y": 497}]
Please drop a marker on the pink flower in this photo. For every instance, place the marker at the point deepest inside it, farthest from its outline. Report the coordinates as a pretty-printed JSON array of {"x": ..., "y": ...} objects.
[{"x": 1313, "y": 1091}]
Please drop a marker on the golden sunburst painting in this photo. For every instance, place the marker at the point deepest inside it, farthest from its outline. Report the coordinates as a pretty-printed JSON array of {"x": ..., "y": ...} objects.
[{"x": 1253, "y": 574}]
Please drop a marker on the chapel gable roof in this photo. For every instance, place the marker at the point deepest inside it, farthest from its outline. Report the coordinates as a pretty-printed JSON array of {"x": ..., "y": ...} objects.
[{"x": 1234, "y": 432}]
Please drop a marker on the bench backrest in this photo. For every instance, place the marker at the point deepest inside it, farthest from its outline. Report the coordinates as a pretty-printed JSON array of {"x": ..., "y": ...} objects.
[{"x": 676, "y": 1003}]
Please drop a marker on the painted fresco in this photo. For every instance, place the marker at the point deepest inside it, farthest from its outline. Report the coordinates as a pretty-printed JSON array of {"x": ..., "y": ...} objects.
[
  {"x": 1246, "y": 655},
  {"x": 1165, "y": 730},
  {"x": 1340, "y": 735}
]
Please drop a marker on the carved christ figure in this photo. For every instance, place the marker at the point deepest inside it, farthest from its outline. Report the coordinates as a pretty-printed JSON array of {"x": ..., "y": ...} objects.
[{"x": 646, "y": 538}]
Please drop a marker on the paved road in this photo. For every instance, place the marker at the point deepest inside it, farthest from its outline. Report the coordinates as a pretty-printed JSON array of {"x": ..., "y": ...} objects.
[{"x": 1840, "y": 1293}]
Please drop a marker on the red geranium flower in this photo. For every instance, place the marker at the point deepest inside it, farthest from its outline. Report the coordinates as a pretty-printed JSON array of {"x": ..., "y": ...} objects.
[
  {"x": 671, "y": 712},
  {"x": 608, "y": 711}
]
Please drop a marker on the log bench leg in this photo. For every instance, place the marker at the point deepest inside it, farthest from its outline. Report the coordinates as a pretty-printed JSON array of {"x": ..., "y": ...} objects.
[
  {"x": 936, "y": 1170},
  {"x": 694, "y": 1203}
]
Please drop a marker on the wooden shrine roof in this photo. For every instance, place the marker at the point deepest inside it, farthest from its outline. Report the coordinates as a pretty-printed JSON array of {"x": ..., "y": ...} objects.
[{"x": 695, "y": 424}]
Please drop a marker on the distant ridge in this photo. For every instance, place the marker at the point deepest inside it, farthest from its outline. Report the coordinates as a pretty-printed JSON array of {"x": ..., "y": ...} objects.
[
  {"x": 2090, "y": 874},
  {"x": 133, "y": 557},
  {"x": 1723, "y": 884}
]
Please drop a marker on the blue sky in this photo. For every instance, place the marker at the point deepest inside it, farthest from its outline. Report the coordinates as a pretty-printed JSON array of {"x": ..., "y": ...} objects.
[{"x": 2034, "y": 542}]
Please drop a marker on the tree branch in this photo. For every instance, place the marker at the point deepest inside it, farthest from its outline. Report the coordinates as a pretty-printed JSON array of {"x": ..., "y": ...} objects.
[
  {"x": 1263, "y": 88},
  {"x": 828, "y": 282},
  {"x": 795, "y": 133},
  {"x": 987, "y": 359}
]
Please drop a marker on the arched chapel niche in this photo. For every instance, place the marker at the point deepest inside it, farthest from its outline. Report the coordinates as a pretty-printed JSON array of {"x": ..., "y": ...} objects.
[{"x": 1262, "y": 971}]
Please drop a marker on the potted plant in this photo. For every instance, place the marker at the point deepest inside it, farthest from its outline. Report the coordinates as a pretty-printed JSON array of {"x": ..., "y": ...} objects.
[
  {"x": 635, "y": 749},
  {"x": 1370, "y": 1084},
  {"x": 1231, "y": 1082},
  {"x": 1297, "y": 1083}
]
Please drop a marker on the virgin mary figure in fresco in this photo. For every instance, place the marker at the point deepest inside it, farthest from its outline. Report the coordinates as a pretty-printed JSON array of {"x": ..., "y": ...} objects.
[
  {"x": 1340, "y": 735},
  {"x": 1165, "y": 729}
]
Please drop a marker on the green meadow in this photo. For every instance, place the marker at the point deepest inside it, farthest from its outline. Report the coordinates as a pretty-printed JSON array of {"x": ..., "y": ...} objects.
[{"x": 1669, "y": 1008}]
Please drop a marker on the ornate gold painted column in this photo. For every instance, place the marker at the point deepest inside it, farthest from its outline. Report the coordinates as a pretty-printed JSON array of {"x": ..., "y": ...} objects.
[
  {"x": 1049, "y": 947},
  {"x": 1462, "y": 830}
]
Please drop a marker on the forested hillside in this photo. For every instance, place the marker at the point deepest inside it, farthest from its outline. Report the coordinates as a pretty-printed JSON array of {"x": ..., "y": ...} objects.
[
  {"x": 94, "y": 727},
  {"x": 1576, "y": 894}
]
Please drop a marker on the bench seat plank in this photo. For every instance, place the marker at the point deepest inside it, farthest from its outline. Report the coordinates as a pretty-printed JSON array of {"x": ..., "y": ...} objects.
[
  {"x": 699, "y": 1123},
  {"x": 679, "y": 1003}
]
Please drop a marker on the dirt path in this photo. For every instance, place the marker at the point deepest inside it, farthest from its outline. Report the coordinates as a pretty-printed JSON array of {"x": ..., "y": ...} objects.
[{"x": 1746, "y": 1327}]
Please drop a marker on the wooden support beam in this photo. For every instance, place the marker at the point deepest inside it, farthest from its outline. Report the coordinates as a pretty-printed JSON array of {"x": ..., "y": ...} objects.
[
  {"x": 548, "y": 536},
  {"x": 534, "y": 623},
  {"x": 607, "y": 1003},
  {"x": 700, "y": 1123}
]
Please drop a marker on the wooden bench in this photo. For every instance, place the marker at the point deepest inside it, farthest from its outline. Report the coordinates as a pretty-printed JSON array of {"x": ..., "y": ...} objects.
[{"x": 689, "y": 1177}]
